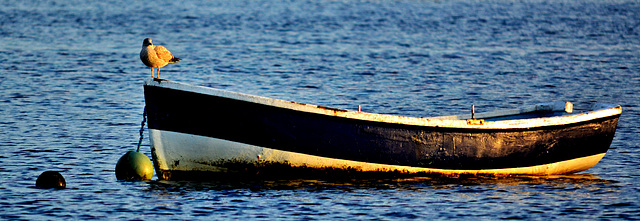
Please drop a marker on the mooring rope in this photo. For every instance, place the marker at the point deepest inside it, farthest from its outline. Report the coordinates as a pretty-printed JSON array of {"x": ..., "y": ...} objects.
[{"x": 144, "y": 119}]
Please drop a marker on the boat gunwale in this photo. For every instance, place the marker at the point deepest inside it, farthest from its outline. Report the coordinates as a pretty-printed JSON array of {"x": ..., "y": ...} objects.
[{"x": 599, "y": 111}]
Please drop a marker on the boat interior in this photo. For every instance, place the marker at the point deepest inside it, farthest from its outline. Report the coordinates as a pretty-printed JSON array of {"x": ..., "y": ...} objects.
[{"x": 542, "y": 110}]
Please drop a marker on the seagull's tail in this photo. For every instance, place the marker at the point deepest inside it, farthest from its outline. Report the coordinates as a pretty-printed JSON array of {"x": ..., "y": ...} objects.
[{"x": 174, "y": 60}]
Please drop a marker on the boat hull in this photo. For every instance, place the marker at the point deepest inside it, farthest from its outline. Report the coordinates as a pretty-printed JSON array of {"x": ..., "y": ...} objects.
[
  {"x": 193, "y": 132},
  {"x": 182, "y": 156}
]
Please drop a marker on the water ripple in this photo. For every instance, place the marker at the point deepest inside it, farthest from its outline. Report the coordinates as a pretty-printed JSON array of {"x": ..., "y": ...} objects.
[{"x": 71, "y": 99}]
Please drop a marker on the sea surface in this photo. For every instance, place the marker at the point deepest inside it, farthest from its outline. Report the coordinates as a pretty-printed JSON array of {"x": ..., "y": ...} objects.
[{"x": 71, "y": 99}]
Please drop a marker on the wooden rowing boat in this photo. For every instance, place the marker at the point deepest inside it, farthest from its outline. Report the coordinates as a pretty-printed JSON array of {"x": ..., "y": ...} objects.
[{"x": 199, "y": 132}]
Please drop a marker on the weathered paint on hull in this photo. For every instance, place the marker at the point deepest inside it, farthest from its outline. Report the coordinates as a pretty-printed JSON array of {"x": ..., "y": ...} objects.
[
  {"x": 185, "y": 156},
  {"x": 246, "y": 127}
]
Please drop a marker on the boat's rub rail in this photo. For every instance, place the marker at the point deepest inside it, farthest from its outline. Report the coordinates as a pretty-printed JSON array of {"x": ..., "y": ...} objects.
[
  {"x": 331, "y": 109},
  {"x": 599, "y": 111}
]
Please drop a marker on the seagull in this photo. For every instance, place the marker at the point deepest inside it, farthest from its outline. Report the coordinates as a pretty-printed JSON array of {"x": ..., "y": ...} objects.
[{"x": 155, "y": 56}]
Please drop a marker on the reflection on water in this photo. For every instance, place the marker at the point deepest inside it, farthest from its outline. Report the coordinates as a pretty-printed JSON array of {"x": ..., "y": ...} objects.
[
  {"x": 479, "y": 197},
  {"x": 415, "y": 183}
]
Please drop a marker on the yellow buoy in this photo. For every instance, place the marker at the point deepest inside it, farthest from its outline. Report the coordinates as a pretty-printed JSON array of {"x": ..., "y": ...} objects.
[{"x": 134, "y": 166}]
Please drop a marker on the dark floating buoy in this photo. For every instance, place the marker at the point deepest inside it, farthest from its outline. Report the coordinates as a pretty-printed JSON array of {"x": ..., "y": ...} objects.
[
  {"x": 134, "y": 166},
  {"x": 51, "y": 179}
]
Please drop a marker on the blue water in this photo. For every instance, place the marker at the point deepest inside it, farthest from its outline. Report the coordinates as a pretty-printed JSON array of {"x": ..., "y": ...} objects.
[{"x": 71, "y": 99}]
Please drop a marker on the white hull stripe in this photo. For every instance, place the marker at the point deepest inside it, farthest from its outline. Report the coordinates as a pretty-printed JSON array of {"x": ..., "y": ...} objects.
[{"x": 185, "y": 152}]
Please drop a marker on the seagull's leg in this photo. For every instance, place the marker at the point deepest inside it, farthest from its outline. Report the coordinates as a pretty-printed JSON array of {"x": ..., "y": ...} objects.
[
  {"x": 158, "y": 72},
  {"x": 152, "y": 76}
]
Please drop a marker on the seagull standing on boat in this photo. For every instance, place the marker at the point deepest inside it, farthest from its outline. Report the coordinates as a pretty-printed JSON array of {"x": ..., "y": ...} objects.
[{"x": 156, "y": 56}]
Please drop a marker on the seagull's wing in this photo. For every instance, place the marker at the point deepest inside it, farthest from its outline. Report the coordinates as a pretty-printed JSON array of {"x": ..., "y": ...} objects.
[{"x": 163, "y": 53}]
